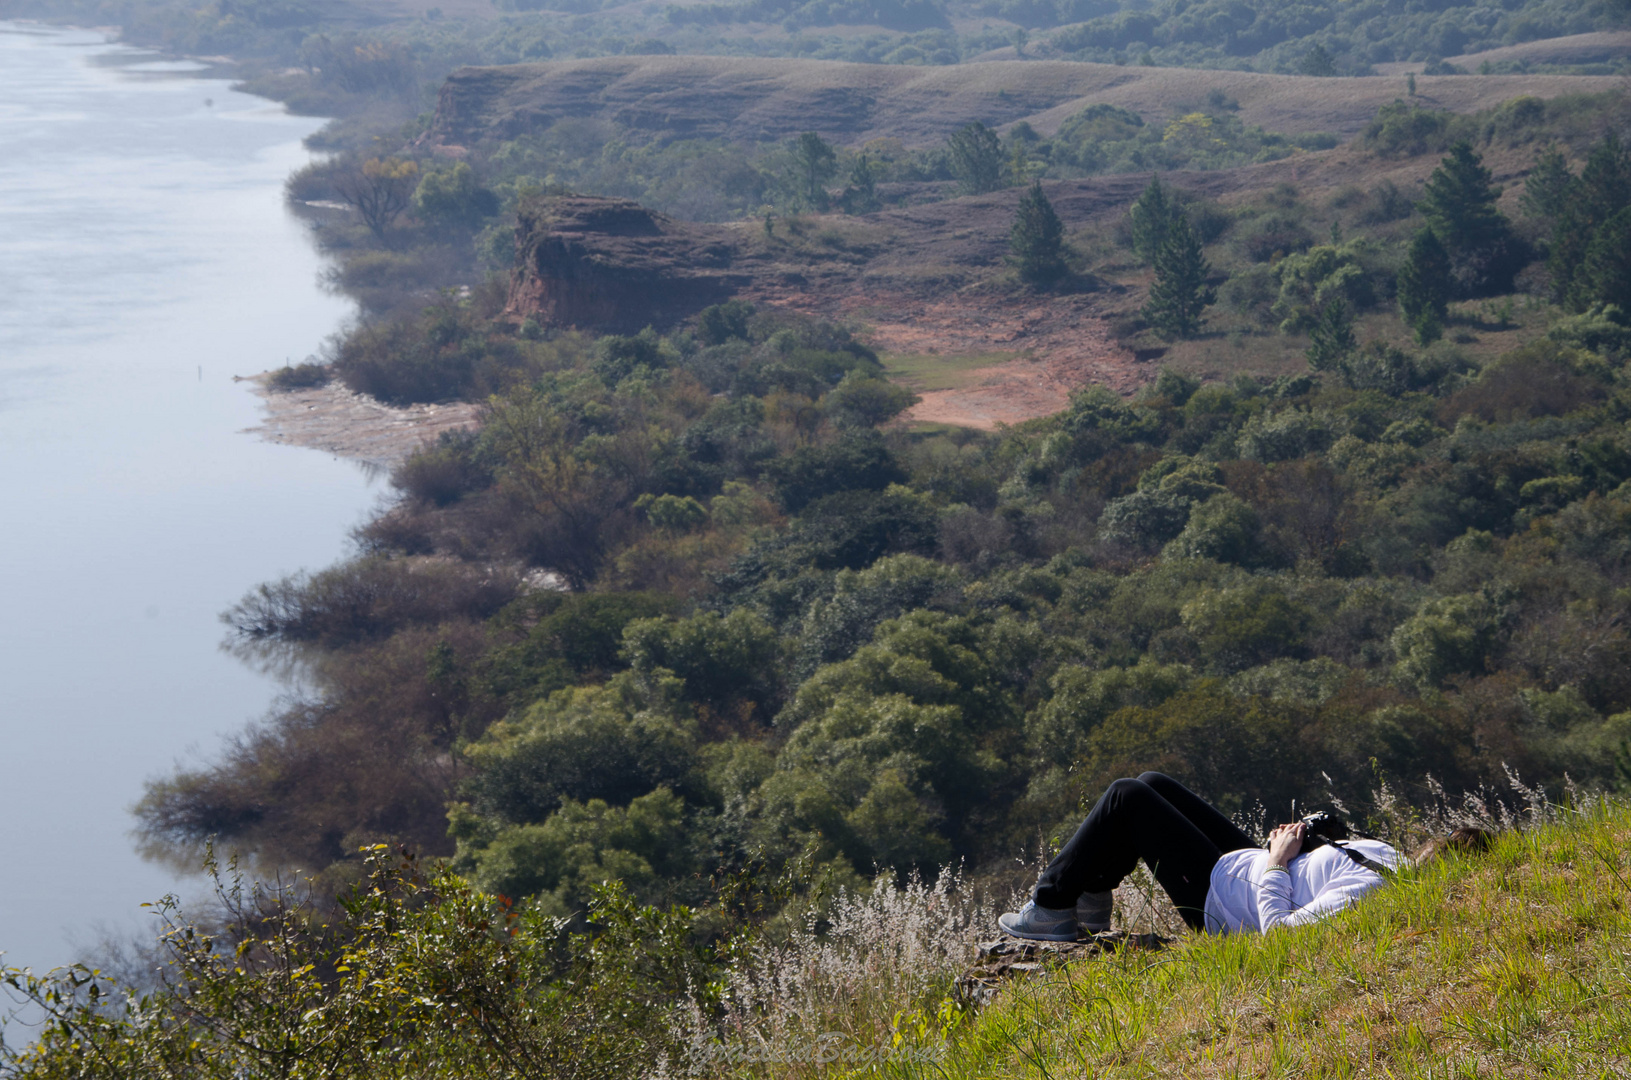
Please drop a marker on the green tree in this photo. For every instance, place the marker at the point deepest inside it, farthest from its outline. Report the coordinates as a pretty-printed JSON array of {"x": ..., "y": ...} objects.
[
  {"x": 1546, "y": 189},
  {"x": 1037, "y": 238},
  {"x": 1605, "y": 274},
  {"x": 1603, "y": 190},
  {"x": 976, "y": 159},
  {"x": 1331, "y": 337},
  {"x": 453, "y": 198},
  {"x": 1180, "y": 292},
  {"x": 1459, "y": 204},
  {"x": 1319, "y": 62},
  {"x": 1149, "y": 219},
  {"x": 814, "y": 163},
  {"x": 1424, "y": 286},
  {"x": 379, "y": 190},
  {"x": 861, "y": 193}
]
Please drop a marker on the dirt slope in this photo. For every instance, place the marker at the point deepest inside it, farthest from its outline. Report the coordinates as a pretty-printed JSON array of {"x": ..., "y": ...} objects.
[{"x": 751, "y": 99}]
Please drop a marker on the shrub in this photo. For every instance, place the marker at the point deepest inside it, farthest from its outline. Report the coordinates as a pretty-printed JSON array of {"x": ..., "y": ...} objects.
[{"x": 300, "y": 377}]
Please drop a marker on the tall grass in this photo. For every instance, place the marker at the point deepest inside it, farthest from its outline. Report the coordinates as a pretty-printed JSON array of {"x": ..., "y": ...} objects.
[{"x": 847, "y": 985}]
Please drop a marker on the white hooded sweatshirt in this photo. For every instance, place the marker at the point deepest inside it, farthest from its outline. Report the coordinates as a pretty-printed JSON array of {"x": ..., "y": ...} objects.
[{"x": 1246, "y": 895}]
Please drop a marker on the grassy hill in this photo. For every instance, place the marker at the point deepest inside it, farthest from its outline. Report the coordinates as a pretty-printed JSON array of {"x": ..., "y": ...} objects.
[
  {"x": 1508, "y": 964},
  {"x": 744, "y": 99}
]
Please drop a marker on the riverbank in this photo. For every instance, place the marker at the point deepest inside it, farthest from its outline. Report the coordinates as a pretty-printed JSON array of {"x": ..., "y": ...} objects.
[{"x": 346, "y": 424}]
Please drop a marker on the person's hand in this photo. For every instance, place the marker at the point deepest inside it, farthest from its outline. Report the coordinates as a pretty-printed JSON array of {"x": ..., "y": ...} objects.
[{"x": 1286, "y": 843}]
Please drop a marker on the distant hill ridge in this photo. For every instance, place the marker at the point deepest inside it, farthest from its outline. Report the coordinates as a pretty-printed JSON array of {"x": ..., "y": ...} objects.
[{"x": 746, "y": 99}]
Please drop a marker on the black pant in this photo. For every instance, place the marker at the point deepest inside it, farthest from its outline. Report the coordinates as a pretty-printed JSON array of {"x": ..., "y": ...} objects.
[{"x": 1178, "y": 834}]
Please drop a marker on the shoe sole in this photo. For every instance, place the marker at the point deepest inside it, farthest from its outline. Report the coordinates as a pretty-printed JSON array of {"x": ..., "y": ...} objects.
[{"x": 1029, "y": 935}]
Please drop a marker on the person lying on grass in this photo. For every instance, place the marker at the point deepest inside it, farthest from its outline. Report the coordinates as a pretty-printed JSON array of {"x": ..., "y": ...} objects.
[{"x": 1219, "y": 879}]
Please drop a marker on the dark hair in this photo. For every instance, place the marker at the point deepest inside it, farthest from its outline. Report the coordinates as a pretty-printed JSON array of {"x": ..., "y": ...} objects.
[{"x": 1468, "y": 840}]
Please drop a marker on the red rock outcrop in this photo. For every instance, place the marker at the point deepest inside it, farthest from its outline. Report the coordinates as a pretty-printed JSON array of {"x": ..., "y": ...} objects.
[{"x": 613, "y": 266}]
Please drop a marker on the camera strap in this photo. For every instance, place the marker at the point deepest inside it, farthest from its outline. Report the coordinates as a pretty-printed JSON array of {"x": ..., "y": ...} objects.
[{"x": 1385, "y": 872}]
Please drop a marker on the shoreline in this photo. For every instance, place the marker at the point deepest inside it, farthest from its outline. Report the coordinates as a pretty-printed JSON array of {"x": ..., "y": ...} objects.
[{"x": 347, "y": 424}]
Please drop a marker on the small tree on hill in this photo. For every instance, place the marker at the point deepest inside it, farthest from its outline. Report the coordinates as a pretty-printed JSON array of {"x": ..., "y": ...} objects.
[
  {"x": 814, "y": 163},
  {"x": 976, "y": 159},
  {"x": 1319, "y": 62},
  {"x": 1180, "y": 292},
  {"x": 1459, "y": 204},
  {"x": 861, "y": 193},
  {"x": 1037, "y": 238},
  {"x": 1331, "y": 338},
  {"x": 1602, "y": 190},
  {"x": 1546, "y": 188},
  {"x": 1424, "y": 286},
  {"x": 1605, "y": 275},
  {"x": 1149, "y": 219},
  {"x": 379, "y": 189}
]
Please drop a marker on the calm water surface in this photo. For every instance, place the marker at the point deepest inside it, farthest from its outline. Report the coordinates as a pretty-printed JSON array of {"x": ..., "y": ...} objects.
[{"x": 145, "y": 259}]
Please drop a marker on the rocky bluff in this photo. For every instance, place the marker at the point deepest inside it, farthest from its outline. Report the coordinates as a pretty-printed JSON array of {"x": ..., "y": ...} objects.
[{"x": 613, "y": 266}]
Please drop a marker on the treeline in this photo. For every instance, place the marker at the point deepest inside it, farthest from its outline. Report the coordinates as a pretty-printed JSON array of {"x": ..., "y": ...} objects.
[{"x": 1320, "y": 38}]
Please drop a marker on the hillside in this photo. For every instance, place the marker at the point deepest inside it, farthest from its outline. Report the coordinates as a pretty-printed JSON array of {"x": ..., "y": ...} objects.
[
  {"x": 754, "y": 100},
  {"x": 1508, "y": 964}
]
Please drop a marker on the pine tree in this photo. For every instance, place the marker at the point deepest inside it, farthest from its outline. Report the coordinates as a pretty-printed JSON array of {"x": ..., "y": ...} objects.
[
  {"x": 861, "y": 193},
  {"x": 1546, "y": 188},
  {"x": 1332, "y": 336},
  {"x": 1424, "y": 286},
  {"x": 976, "y": 158},
  {"x": 1602, "y": 190},
  {"x": 1459, "y": 201},
  {"x": 1180, "y": 292},
  {"x": 1149, "y": 219},
  {"x": 1037, "y": 238},
  {"x": 1459, "y": 204},
  {"x": 814, "y": 162},
  {"x": 1605, "y": 274}
]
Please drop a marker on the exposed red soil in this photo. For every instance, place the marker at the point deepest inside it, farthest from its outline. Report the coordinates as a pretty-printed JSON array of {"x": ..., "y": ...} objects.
[{"x": 1064, "y": 344}]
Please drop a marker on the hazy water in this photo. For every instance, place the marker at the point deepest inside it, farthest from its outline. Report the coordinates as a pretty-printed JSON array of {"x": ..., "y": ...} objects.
[{"x": 145, "y": 259}]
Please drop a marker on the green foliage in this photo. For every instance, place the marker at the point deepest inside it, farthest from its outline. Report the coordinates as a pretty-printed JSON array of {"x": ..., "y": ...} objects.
[
  {"x": 1546, "y": 188},
  {"x": 814, "y": 163},
  {"x": 1424, "y": 286},
  {"x": 1605, "y": 273},
  {"x": 1602, "y": 190},
  {"x": 412, "y": 973},
  {"x": 860, "y": 195},
  {"x": 1402, "y": 129},
  {"x": 299, "y": 377},
  {"x": 720, "y": 323},
  {"x": 453, "y": 198},
  {"x": 976, "y": 158},
  {"x": 1180, "y": 292},
  {"x": 1037, "y": 238},
  {"x": 1459, "y": 204},
  {"x": 1331, "y": 338},
  {"x": 1323, "y": 276},
  {"x": 1149, "y": 220}
]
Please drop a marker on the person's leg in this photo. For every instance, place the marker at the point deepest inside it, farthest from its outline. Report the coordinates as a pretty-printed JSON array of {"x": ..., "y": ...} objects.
[
  {"x": 1201, "y": 814},
  {"x": 1131, "y": 821}
]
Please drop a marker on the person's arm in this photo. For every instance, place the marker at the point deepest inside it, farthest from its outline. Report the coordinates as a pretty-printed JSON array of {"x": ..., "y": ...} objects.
[{"x": 1274, "y": 906}]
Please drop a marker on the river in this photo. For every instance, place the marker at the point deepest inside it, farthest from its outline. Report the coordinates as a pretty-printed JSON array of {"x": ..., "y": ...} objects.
[{"x": 145, "y": 259}]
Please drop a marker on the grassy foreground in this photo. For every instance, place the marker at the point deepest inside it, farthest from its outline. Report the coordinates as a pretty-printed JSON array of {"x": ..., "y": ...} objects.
[{"x": 1508, "y": 964}]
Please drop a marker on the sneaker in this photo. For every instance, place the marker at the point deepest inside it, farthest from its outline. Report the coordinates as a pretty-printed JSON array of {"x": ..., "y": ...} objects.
[
  {"x": 1093, "y": 911},
  {"x": 1040, "y": 923}
]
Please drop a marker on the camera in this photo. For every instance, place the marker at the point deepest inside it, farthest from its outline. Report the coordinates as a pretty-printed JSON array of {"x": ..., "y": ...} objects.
[{"x": 1320, "y": 828}]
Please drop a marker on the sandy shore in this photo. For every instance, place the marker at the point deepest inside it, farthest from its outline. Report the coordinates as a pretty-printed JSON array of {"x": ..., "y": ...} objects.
[{"x": 341, "y": 422}]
